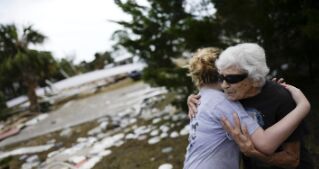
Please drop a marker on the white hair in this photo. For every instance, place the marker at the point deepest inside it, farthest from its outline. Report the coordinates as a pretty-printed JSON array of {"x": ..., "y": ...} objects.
[{"x": 248, "y": 57}]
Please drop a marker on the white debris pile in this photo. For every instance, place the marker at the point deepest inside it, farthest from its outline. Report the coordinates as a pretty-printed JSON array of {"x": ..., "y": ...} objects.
[
  {"x": 167, "y": 149},
  {"x": 26, "y": 150},
  {"x": 37, "y": 119},
  {"x": 185, "y": 131},
  {"x": 154, "y": 140},
  {"x": 67, "y": 132},
  {"x": 166, "y": 166},
  {"x": 174, "y": 134},
  {"x": 103, "y": 124},
  {"x": 32, "y": 161}
]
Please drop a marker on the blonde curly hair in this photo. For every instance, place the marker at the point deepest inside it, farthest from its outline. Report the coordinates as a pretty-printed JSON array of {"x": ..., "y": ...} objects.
[{"x": 202, "y": 67}]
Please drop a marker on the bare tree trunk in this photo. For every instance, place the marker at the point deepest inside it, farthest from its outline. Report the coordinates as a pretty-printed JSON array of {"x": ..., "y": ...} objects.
[{"x": 32, "y": 96}]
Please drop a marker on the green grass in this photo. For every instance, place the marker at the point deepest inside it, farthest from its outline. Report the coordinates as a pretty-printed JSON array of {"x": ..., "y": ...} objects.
[{"x": 140, "y": 155}]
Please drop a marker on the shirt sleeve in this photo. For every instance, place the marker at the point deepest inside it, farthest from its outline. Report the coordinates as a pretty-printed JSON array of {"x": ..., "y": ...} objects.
[{"x": 227, "y": 108}]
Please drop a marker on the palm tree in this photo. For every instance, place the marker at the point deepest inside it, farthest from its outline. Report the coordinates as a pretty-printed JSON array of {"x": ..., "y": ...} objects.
[{"x": 27, "y": 65}]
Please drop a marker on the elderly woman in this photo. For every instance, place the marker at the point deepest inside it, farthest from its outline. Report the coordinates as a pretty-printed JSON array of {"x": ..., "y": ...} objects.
[
  {"x": 243, "y": 71},
  {"x": 209, "y": 146}
]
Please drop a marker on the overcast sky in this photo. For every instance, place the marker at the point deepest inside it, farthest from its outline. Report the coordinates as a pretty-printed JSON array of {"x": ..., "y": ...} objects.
[
  {"x": 77, "y": 28},
  {"x": 74, "y": 27}
]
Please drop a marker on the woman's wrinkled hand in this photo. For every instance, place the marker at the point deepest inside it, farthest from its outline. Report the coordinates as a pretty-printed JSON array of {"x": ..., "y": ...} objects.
[
  {"x": 240, "y": 135},
  {"x": 192, "y": 102}
]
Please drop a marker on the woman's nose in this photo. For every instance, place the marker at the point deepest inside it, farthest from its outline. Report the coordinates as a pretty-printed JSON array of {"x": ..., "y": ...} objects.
[{"x": 224, "y": 84}]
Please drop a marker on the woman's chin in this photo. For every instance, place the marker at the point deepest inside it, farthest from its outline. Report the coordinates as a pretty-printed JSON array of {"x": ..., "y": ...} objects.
[{"x": 231, "y": 97}]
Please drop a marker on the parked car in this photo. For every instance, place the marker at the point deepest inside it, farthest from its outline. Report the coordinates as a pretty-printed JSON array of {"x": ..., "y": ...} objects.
[{"x": 135, "y": 75}]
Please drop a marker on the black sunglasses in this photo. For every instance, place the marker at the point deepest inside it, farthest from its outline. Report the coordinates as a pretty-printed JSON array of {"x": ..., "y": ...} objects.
[{"x": 232, "y": 79}]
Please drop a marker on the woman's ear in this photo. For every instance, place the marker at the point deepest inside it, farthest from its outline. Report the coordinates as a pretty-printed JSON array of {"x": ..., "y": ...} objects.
[{"x": 256, "y": 83}]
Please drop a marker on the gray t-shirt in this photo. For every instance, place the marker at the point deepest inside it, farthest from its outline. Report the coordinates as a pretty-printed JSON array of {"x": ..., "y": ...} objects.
[{"x": 210, "y": 147}]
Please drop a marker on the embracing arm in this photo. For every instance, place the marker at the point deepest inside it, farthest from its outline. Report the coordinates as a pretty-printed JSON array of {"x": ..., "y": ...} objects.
[
  {"x": 192, "y": 103},
  {"x": 288, "y": 157},
  {"x": 267, "y": 141}
]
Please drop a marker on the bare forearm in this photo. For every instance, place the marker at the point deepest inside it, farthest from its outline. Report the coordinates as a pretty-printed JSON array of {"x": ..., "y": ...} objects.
[
  {"x": 281, "y": 159},
  {"x": 267, "y": 141},
  {"x": 288, "y": 158},
  {"x": 284, "y": 159}
]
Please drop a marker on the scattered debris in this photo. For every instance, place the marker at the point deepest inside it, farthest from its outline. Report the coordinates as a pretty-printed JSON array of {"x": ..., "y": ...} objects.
[
  {"x": 166, "y": 166},
  {"x": 174, "y": 134},
  {"x": 184, "y": 131},
  {"x": 12, "y": 127},
  {"x": 26, "y": 150},
  {"x": 36, "y": 119},
  {"x": 113, "y": 130},
  {"x": 167, "y": 149},
  {"x": 154, "y": 132},
  {"x": 164, "y": 135},
  {"x": 156, "y": 120},
  {"x": 66, "y": 132},
  {"x": 154, "y": 140},
  {"x": 77, "y": 159},
  {"x": 9, "y": 132}
]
